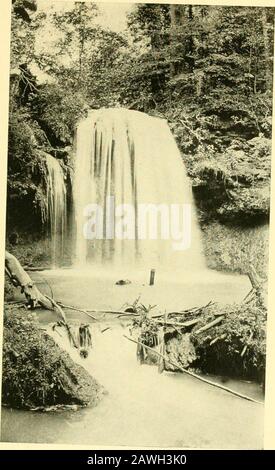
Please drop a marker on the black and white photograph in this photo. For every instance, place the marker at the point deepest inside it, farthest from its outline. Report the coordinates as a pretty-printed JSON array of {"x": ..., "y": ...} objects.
[{"x": 137, "y": 213}]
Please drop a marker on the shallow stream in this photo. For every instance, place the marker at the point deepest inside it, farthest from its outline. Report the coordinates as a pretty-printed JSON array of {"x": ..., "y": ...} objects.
[{"x": 143, "y": 407}]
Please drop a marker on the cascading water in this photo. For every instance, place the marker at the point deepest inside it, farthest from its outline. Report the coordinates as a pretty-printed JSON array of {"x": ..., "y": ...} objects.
[
  {"x": 126, "y": 157},
  {"x": 56, "y": 207}
]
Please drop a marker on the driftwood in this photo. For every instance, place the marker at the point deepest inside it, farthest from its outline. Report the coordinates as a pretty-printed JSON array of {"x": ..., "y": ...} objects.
[
  {"x": 20, "y": 278},
  {"x": 35, "y": 298},
  {"x": 253, "y": 277},
  {"x": 69, "y": 307},
  {"x": 258, "y": 287},
  {"x": 64, "y": 321},
  {"x": 125, "y": 314},
  {"x": 179, "y": 324},
  {"x": 246, "y": 345},
  {"x": 218, "y": 338},
  {"x": 249, "y": 296},
  {"x": 36, "y": 268},
  {"x": 210, "y": 325},
  {"x": 113, "y": 312},
  {"x": 100, "y": 312},
  {"x": 192, "y": 374},
  {"x": 193, "y": 311},
  {"x": 177, "y": 330},
  {"x": 87, "y": 311}
]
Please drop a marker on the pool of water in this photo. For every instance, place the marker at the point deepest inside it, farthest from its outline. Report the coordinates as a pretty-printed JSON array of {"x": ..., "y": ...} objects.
[
  {"x": 143, "y": 407},
  {"x": 96, "y": 287}
]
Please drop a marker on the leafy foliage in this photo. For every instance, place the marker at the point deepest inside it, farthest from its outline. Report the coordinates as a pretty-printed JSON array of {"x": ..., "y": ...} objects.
[
  {"x": 236, "y": 185},
  {"x": 206, "y": 69},
  {"x": 36, "y": 372},
  {"x": 56, "y": 112},
  {"x": 214, "y": 67}
]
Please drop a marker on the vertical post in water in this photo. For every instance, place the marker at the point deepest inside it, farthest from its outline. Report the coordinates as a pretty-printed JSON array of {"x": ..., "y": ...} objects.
[
  {"x": 152, "y": 277},
  {"x": 161, "y": 361}
]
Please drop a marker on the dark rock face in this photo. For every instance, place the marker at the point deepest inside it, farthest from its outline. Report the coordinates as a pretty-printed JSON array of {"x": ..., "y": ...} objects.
[
  {"x": 235, "y": 346},
  {"x": 36, "y": 372}
]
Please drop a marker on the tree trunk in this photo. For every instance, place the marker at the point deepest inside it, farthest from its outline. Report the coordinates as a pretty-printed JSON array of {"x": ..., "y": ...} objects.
[
  {"x": 266, "y": 48},
  {"x": 258, "y": 285},
  {"x": 20, "y": 278},
  {"x": 172, "y": 11}
]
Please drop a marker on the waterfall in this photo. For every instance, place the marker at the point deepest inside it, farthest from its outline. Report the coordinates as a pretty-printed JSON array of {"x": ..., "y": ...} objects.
[
  {"x": 127, "y": 157},
  {"x": 56, "y": 207}
]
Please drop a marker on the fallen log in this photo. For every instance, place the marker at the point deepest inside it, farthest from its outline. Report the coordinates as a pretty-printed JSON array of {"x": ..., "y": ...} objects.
[
  {"x": 35, "y": 298},
  {"x": 192, "y": 374},
  {"x": 112, "y": 312},
  {"x": 69, "y": 307},
  {"x": 64, "y": 321},
  {"x": 246, "y": 345},
  {"x": 219, "y": 338},
  {"x": 258, "y": 286},
  {"x": 247, "y": 297},
  {"x": 210, "y": 325},
  {"x": 87, "y": 311},
  {"x": 193, "y": 310},
  {"x": 20, "y": 278},
  {"x": 253, "y": 277},
  {"x": 179, "y": 324},
  {"x": 125, "y": 314},
  {"x": 37, "y": 268},
  {"x": 178, "y": 331}
]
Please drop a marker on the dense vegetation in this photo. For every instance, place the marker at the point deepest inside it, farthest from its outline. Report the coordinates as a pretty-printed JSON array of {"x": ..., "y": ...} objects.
[
  {"x": 221, "y": 339},
  {"x": 36, "y": 372},
  {"x": 234, "y": 348},
  {"x": 237, "y": 347},
  {"x": 206, "y": 69}
]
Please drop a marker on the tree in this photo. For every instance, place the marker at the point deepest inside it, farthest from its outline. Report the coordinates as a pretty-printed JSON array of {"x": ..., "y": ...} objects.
[
  {"x": 207, "y": 70},
  {"x": 24, "y": 8},
  {"x": 77, "y": 26},
  {"x": 214, "y": 71}
]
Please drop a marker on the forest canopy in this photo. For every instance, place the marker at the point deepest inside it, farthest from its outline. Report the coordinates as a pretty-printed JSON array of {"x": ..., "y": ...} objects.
[{"x": 206, "y": 69}]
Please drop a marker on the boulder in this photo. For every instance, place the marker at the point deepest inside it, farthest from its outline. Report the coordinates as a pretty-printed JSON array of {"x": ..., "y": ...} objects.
[{"x": 36, "y": 372}]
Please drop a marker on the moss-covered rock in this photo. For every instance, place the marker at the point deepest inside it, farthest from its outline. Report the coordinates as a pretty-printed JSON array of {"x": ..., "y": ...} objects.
[
  {"x": 235, "y": 248},
  {"x": 235, "y": 347},
  {"x": 36, "y": 372},
  {"x": 233, "y": 185}
]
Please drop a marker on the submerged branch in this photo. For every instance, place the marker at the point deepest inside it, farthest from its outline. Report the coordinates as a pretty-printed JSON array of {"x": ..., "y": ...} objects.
[
  {"x": 69, "y": 307},
  {"x": 88, "y": 311},
  {"x": 193, "y": 311},
  {"x": 179, "y": 324},
  {"x": 192, "y": 374}
]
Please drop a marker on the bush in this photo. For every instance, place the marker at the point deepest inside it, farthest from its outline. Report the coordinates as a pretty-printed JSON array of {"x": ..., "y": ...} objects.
[
  {"x": 36, "y": 372},
  {"x": 234, "y": 186},
  {"x": 233, "y": 248}
]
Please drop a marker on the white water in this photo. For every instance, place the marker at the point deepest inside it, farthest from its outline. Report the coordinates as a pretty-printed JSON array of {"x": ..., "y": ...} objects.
[
  {"x": 142, "y": 408},
  {"x": 132, "y": 157},
  {"x": 56, "y": 207}
]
